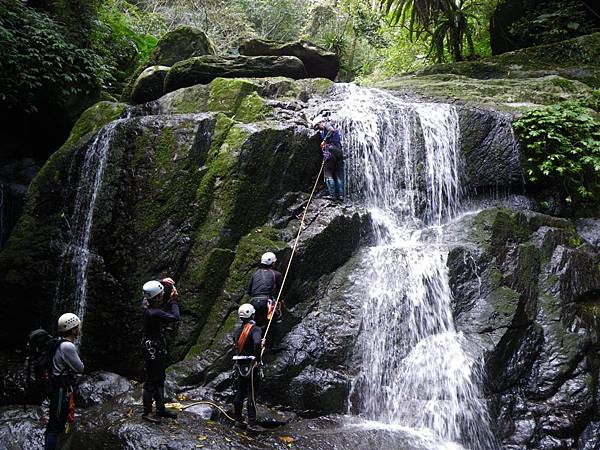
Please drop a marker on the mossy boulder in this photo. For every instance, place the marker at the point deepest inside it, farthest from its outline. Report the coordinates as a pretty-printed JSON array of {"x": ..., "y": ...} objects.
[
  {"x": 319, "y": 62},
  {"x": 542, "y": 75},
  {"x": 204, "y": 69},
  {"x": 505, "y": 94},
  {"x": 182, "y": 43},
  {"x": 149, "y": 84}
]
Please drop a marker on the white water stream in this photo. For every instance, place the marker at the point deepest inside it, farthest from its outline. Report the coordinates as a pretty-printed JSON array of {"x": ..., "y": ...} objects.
[
  {"x": 76, "y": 255},
  {"x": 403, "y": 162}
]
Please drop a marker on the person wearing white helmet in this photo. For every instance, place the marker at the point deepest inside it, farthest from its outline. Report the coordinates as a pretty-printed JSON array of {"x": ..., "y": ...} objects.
[
  {"x": 331, "y": 147},
  {"x": 263, "y": 287},
  {"x": 248, "y": 344},
  {"x": 65, "y": 364},
  {"x": 158, "y": 313}
]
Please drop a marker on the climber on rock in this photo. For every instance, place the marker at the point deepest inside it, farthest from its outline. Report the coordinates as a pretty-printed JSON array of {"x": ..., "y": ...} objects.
[
  {"x": 263, "y": 289},
  {"x": 154, "y": 345},
  {"x": 333, "y": 156},
  {"x": 247, "y": 340},
  {"x": 65, "y": 364}
]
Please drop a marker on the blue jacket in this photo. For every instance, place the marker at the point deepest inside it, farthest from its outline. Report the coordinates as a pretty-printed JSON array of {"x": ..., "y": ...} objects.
[{"x": 331, "y": 135}]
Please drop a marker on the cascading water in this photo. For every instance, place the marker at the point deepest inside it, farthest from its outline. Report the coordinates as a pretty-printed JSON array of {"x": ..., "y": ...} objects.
[
  {"x": 76, "y": 254},
  {"x": 403, "y": 162}
]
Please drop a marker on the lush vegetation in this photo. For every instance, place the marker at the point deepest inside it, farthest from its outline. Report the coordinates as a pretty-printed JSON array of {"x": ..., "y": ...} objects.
[
  {"x": 56, "y": 51},
  {"x": 561, "y": 148}
]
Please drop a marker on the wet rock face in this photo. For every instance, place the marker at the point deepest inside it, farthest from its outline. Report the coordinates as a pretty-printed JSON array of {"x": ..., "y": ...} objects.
[
  {"x": 99, "y": 387},
  {"x": 319, "y": 63},
  {"x": 179, "y": 191},
  {"x": 22, "y": 430},
  {"x": 490, "y": 149},
  {"x": 312, "y": 345},
  {"x": 528, "y": 293}
]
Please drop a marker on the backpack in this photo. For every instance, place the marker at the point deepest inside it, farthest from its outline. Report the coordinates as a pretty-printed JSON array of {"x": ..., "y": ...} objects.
[{"x": 41, "y": 347}]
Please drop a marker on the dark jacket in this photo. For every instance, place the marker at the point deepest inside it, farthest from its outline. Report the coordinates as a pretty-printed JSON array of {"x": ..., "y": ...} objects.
[
  {"x": 155, "y": 319},
  {"x": 330, "y": 135},
  {"x": 265, "y": 283}
]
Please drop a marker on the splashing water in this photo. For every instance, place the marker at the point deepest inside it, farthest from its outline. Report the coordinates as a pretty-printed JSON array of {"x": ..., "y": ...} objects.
[
  {"x": 403, "y": 162},
  {"x": 76, "y": 255}
]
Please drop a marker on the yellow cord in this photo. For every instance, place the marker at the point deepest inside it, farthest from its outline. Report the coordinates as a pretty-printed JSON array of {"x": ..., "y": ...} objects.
[
  {"x": 292, "y": 255},
  {"x": 206, "y": 402}
]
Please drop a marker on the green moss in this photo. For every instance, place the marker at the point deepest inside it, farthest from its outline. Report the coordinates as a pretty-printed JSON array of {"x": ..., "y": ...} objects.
[
  {"x": 504, "y": 300},
  {"x": 93, "y": 119},
  {"x": 319, "y": 86},
  {"x": 226, "y": 94},
  {"x": 190, "y": 100},
  {"x": 171, "y": 175},
  {"x": 253, "y": 108},
  {"x": 505, "y": 94},
  {"x": 248, "y": 252},
  {"x": 495, "y": 227}
]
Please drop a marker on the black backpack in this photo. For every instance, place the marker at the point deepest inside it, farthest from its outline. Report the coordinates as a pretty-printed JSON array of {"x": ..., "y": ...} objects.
[{"x": 41, "y": 347}]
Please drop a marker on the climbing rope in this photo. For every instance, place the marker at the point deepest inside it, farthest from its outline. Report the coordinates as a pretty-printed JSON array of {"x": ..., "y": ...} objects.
[
  {"x": 312, "y": 193},
  {"x": 206, "y": 402}
]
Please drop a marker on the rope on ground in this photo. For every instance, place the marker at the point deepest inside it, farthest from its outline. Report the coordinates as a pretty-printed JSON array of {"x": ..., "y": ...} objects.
[
  {"x": 206, "y": 402},
  {"x": 312, "y": 193}
]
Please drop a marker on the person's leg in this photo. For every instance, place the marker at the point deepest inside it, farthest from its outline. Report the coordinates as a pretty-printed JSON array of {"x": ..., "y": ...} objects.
[
  {"x": 57, "y": 416},
  {"x": 251, "y": 405},
  {"x": 149, "y": 388},
  {"x": 329, "y": 174},
  {"x": 159, "y": 393},
  {"x": 238, "y": 401}
]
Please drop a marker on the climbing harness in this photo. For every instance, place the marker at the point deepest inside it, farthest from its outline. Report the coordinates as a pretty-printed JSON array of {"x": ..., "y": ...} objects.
[
  {"x": 150, "y": 349},
  {"x": 312, "y": 193}
]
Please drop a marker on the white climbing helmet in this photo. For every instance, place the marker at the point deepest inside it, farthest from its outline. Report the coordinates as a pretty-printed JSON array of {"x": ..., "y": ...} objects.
[
  {"x": 317, "y": 120},
  {"x": 67, "y": 322},
  {"x": 268, "y": 258},
  {"x": 246, "y": 311},
  {"x": 152, "y": 289}
]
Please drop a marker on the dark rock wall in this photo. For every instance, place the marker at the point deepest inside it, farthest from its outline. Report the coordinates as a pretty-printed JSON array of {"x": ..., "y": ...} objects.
[{"x": 526, "y": 288}]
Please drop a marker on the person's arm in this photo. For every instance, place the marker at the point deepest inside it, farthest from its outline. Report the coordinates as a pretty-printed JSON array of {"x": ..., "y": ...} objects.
[
  {"x": 168, "y": 316},
  {"x": 71, "y": 357},
  {"x": 256, "y": 342},
  {"x": 329, "y": 132}
]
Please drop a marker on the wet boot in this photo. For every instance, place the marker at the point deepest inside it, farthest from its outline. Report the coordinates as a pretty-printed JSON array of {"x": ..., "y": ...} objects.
[
  {"x": 147, "y": 400},
  {"x": 339, "y": 186},
  {"x": 330, "y": 188},
  {"x": 160, "y": 405},
  {"x": 237, "y": 415}
]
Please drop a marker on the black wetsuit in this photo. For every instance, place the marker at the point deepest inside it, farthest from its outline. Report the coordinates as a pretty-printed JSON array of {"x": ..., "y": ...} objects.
[
  {"x": 262, "y": 289},
  {"x": 247, "y": 386},
  {"x": 155, "y": 354}
]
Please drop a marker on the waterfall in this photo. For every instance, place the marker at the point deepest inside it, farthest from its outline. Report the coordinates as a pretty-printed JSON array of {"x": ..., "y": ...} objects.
[
  {"x": 404, "y": 164},
  {"x": 76, "y": 254}
]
